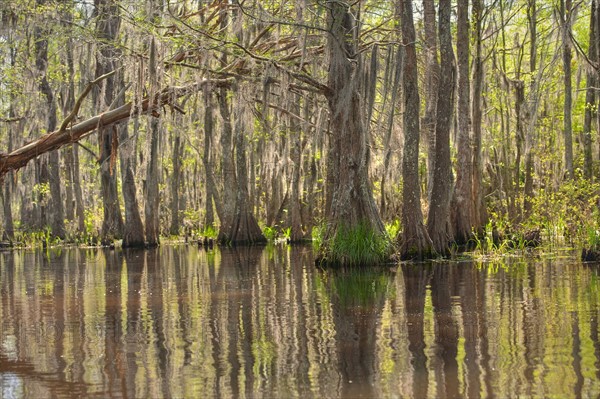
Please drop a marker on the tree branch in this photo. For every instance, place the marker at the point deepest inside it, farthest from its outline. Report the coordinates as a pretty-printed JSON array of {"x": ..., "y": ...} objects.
[
  {"x": 54, "y": 140},
  {"x": 73, "y": 114}
]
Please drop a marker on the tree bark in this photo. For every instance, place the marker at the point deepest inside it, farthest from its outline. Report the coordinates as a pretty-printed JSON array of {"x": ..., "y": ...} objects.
[
  {"x": 415, "y": 241},
  {"x": 107, "y": 30},
  {"x": 438, "y": 217},
  {"x": 462, "y": 204},
  {"x": 352, "y": 203}
]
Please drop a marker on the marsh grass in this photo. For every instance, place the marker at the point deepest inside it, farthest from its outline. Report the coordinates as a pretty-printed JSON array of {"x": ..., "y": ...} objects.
[{"x": 359, "y": 245}]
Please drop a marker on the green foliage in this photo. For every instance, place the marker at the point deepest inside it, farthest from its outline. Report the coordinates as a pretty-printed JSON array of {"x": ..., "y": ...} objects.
[
  {"x": 393, "y": 228},
  {"x": 276, "y": 234},
  {"x": 593, "y": 239},
  {"x": 270, "y": 233},
  {"x": 568, "y": 214},
  {"x": 357, "y": 246},
  {"x": 318, "y": 235},
  {"x": 191, "y": 221},
  {"x": 210, "y": 232},
  {"x": 36, "y": 238}
]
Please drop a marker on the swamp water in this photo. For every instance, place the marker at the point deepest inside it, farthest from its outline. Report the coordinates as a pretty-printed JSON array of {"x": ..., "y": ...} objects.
[{"x": 264, "y": 322}]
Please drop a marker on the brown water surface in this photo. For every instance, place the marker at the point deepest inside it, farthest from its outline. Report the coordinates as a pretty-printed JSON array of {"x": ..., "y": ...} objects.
[{"x": 264, "y": 322}]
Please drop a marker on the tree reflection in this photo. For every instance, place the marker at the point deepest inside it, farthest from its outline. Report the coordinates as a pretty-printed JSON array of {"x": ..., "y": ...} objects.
[
  {"x": 358, "y": 296},
  {"x": 264, "y": 322},
  {"x": 416, "y": 280}
]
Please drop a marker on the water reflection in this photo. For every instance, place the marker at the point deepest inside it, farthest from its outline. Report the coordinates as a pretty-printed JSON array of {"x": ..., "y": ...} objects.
[{"x": 248, "y": 322}]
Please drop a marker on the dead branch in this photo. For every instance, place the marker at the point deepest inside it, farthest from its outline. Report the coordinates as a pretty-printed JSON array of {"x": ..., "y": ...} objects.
[
  {"x": 54, "y": 140},
  {"x": 73, "y": 114}
]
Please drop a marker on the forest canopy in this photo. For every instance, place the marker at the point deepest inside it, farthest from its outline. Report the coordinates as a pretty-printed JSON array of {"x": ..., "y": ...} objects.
[{"x": 375, "y": 128}]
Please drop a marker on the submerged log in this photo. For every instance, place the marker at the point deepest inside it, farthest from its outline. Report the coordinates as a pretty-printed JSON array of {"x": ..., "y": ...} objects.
[{"x": 68, "y": 135}]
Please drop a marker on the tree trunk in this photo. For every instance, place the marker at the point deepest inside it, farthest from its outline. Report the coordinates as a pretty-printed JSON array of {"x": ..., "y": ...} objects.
[
  {"x": 352, "y": 203},
  {"x": 227, "y": 169},
  {"x": 55, "y": 205},
  {"x": 176, "y": 182},
  {"x": 462, "y": 204},
  {"x": 395, "y": 75},
  {"x": 207, "y": 160},
  {"x": 295, "y": 215},
  {"x": 133, "y": 232},
  {"x": 590, "y": 98},
  {"x": 7, "y": 193},
  {"x": 133, "y": 229},
  {"x": 531, "y": 114},
  {"x": 151, "y": 208},
  {"x": 107, "y": 28},
  {"x": 415, "y": 241},
  {"x": 565, "y": 15},
  {"x": 69, "y": 103},
  {"x": 432, "y": 78},
  {"x": 244, "y": 229},
  {"x": 438, "y": 218}
]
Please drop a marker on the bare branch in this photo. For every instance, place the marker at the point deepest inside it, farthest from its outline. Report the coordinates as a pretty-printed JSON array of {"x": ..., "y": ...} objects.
[{"x": 73, "y": 114}]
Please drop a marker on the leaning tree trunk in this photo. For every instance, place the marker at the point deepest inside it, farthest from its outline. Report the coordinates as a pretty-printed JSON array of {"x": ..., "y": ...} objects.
[
  {"x": 107, "y": 28},
  {"x": 352, "y": 204},
  {"x": 439, "y": 207},
  {"x": 55, "y": 206},
  {"x": 415, "y": 241},
  {"x": 462, "y": 202}
]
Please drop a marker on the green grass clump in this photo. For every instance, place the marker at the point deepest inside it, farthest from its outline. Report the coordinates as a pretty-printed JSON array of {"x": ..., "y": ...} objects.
[
  {"x": 210, "y": 232},
  {"x": 357, "y": 246},
  {"x": 318, "y": 235},
  {"x": 270, "y": 233}
]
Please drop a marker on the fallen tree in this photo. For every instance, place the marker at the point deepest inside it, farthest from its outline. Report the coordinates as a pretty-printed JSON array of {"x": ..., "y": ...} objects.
[{"x": 71, "y": 134}]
